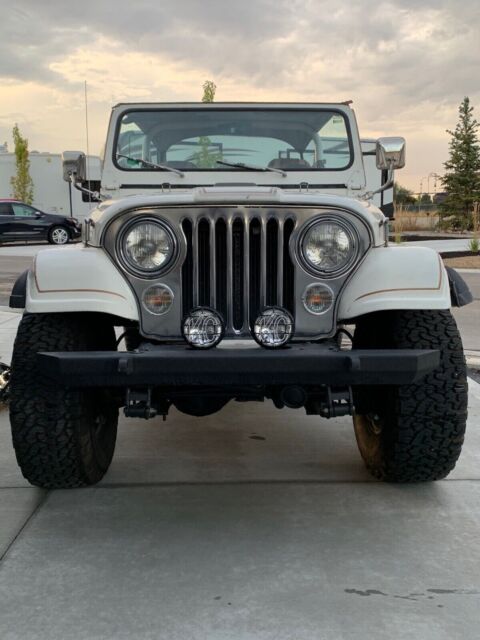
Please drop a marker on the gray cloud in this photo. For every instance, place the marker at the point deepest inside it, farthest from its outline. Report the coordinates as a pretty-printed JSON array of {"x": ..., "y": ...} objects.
[{"x": 363, "y": 46}]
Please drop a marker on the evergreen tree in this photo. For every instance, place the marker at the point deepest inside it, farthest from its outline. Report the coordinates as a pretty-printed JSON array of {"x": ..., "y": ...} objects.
[
  {"x": 462, "y": 178},
  {"x": 22, "y": 183}
]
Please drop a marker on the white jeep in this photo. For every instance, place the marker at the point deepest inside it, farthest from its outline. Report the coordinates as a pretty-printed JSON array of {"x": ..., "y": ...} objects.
[{"x": 235, "y": 250}]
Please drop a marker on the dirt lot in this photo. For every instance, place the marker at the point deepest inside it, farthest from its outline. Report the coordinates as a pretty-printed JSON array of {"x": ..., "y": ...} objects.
[{"x": 465, "y": 262}]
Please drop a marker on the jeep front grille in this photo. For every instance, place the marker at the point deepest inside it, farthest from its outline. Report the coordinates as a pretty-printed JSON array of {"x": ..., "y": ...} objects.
[{"x": 238, "y": 265}]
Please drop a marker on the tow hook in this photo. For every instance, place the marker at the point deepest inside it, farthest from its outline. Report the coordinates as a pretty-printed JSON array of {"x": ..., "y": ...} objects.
[
  {"x": 138, "y": 404},
  {"x": 337, "y": 402},
  {"x": 4, "y": 382}
]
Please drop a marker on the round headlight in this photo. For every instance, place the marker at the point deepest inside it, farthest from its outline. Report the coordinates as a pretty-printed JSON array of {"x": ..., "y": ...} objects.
[
  {"x": 148, "y": 246},
  {"x": 328, "y": 247}
]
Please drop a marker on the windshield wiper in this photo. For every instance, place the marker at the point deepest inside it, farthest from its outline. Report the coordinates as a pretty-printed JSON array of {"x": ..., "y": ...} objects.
[
  {"x": 251, "y": 167},
  {"x": 152, "y": 165}
]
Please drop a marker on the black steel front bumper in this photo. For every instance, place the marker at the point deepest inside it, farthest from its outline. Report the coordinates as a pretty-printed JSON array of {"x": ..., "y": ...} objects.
[{"x": 178, "y": 366}]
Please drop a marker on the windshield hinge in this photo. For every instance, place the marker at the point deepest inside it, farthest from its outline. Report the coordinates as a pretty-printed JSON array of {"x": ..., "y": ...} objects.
[{"x": 356, "y": 181}]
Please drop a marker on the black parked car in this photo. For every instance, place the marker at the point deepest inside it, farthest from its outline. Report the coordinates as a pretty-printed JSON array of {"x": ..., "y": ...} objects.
[{"x": 19, "y": 221}]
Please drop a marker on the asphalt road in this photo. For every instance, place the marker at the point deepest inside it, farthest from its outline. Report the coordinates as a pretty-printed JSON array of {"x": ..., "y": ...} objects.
[{"x": 10, "y": 268}]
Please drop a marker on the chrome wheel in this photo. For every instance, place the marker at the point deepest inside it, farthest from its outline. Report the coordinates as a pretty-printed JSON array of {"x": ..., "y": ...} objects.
[{"x": 59, "y": 235}]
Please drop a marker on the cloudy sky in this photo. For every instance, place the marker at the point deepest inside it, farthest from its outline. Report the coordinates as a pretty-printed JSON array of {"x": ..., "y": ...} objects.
[{"x": 406, "y": 64}]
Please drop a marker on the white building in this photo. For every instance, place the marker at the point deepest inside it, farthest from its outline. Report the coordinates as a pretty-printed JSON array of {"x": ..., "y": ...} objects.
[{"x": 50, "y": 192}]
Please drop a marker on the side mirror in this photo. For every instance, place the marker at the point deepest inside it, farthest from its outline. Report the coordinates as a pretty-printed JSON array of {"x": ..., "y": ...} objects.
[
  {"x": 74, "y": 162},
  {"x": 390, "y": 153},
  {"x": 38, "y": 215}
]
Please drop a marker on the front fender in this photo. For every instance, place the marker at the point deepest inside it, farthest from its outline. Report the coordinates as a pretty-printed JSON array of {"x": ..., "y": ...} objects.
[
  {"x": 396, "y": 278},
  {"x": 78, "y": 279}
]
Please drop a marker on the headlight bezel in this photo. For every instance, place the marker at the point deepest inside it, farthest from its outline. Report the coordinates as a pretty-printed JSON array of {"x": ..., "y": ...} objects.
[
  {"x": 352, "y": 234},
  {"x": 131, "y": 267}
]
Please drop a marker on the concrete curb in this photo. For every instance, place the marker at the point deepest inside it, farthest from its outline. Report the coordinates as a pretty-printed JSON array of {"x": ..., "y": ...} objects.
[
  {"x": 5, "y": 309},
  {"x": 473, "y": 357},
  {"x": 473, "y": 362}
]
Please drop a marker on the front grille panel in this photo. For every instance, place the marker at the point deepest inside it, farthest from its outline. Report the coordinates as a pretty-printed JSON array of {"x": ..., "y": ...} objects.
[{"x": 238, "y": 265}]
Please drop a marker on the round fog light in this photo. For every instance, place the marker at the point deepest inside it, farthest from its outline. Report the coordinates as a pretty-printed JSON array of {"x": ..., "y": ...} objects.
[
  {"x": 203, "y": 328},
  {"x": 158, "y": 299},
  {"x": 317, "y": 298},
  {"x": 273, "y": 328}
]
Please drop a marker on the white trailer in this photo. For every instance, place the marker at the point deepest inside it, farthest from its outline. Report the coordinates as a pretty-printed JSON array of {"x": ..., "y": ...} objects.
[{"x": 51, "y": 193}]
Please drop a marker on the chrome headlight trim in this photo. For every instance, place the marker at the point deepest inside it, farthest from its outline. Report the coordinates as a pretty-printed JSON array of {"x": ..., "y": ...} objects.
[
  {"x": 350, "y": 231},
  {"x": 129, "y": 265}
]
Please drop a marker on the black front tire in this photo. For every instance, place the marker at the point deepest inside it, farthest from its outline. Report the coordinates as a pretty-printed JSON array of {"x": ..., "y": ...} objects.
[
  {"x": 63, "y": 438},
  {"x": 413, "y": 433}
]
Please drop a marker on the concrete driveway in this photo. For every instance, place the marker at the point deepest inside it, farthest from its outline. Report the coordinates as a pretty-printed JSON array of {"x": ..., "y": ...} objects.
[{"x": 250, "y": 524}]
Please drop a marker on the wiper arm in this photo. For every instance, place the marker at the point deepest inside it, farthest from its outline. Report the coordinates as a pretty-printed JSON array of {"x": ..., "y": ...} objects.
[
  {"x": 251, "y": 167},
  {"x": 152, "y": 165}
]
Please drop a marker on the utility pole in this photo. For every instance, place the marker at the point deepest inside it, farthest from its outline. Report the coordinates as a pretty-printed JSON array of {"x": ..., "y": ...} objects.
[
  {"x": 436, "y": 176},
  {"x": 421, "y": 184}
]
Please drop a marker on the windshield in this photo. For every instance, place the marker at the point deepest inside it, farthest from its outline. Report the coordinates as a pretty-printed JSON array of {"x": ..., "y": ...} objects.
[{"x": 201, "y": 139}]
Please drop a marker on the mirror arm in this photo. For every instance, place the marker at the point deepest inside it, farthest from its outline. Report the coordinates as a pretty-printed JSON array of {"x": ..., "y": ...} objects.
[
  {"x": 95, "y": 194},
  {"x": 389, "y": 183}
]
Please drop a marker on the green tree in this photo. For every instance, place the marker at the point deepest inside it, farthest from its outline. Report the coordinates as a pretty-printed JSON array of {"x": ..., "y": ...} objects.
[
  {"x": 462, "y": 177},
  {"x": 424, "y": 198},
  {"x": 22, "y": 183},
  {"x": 402, "y": 195},
  {"x": 206, "y": 157},
  {"x": 209, "y": 89}
]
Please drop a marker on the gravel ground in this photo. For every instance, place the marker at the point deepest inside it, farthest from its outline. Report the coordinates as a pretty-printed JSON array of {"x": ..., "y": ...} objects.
[{"x": 466, "y": 262}]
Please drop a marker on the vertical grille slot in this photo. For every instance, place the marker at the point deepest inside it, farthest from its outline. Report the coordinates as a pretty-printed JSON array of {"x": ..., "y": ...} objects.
[
  {"x": 288, "y": 269},
  {"x": 255, "y": 268},
  {"x": 203, "y": 271},
  {"x": 221, "y": 266},
  {"x": 187, "y": 269},
  {"x": 237, "y": 273},
  {"x": 272, "y": 261}
]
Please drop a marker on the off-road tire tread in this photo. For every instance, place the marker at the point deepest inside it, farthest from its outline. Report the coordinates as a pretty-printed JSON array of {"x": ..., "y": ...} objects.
[
  {"x": 50, "y": 423},
  {"x": 424, "y": 422}
]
